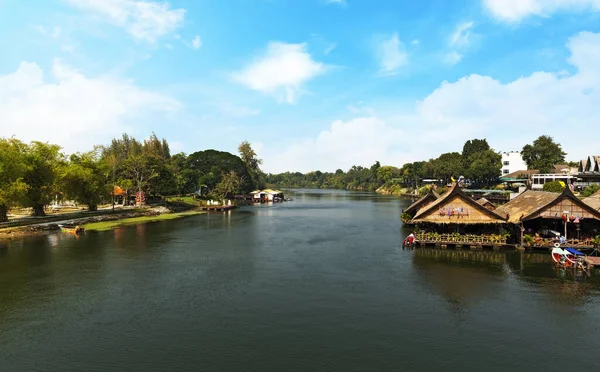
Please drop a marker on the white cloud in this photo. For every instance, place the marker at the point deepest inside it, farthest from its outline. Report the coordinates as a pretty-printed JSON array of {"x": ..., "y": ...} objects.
[
  {"x": 342, "y": 2},
  {"x": 144, "y": 20},
  {"x": 508, "y": 115},
  {"x": 73, "y": 111},
  {"x": 516, "y": 10},
  {"x": 354, "y": 142},
  {"x": 415, "y": 42},
  {"x": 460, "y": 36},
  {"x": 282, "y": 71},
  {"x": 452, "y": 58},
  {"x": 391, "y": 55},
  {"x": 196, "y": 43}
]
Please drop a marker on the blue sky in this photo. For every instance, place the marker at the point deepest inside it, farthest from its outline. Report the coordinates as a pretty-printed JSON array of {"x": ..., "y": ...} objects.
[{"x": 312, "y": 84}]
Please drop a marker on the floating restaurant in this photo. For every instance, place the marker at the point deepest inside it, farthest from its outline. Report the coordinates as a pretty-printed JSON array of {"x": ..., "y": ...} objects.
[{"x": 535, "y": 219}]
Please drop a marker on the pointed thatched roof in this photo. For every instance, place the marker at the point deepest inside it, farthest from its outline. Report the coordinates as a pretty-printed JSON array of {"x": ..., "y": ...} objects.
[
  {"x": 525, "y": 204},
  {"x": 456, "y": 207},
  {"x": 593, "y": 200},
  {"x": 533, "y": 204},
  {"x": 428, "y": 198}
]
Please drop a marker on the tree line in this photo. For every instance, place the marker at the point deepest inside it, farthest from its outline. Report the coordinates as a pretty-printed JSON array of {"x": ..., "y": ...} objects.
[
  {"x": 35, "y": 174},
  {"x": 477, "y": 162}
]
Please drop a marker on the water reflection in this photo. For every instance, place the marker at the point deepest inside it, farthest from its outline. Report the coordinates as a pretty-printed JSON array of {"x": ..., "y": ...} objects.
[{"x": 462, "y": 278}]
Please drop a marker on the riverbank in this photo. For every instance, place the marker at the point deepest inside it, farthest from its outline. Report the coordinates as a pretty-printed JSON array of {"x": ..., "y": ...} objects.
[
  {"x": 170, "y": 210},
  {"x": 109, "y": 225}
]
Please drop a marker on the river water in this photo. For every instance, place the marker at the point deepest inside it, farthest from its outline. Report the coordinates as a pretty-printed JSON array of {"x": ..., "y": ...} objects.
[{"x": 318, "y": 284}]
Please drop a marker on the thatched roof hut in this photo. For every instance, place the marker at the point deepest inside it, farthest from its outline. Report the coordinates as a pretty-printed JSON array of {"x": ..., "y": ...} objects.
[
  {"x": 455, "y": 207},
  {"x": 535, "y": 204},
  {"x": 430, "y": 197},
  {"x": 486, "y": 203},
  {"x": 593, "y": 200}
]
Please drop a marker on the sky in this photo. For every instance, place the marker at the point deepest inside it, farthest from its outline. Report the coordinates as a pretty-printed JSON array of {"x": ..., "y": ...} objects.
[{"x": 311, "y": 84}]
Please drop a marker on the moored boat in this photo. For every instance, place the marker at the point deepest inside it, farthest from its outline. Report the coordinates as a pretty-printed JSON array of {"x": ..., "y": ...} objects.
[{"x": 559, "y": 256}]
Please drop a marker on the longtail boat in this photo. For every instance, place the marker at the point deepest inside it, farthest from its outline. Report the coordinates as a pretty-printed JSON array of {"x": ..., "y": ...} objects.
[{"x": 72, "y": 229}]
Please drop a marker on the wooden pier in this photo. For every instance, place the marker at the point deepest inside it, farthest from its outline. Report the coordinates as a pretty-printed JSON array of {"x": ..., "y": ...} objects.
[
  {"x": 217, "y": 208},
  {"x": 592, "y": 261}
]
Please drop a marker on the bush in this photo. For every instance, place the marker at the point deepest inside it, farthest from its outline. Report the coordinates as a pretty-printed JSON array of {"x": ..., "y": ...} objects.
[
  {"x": 588, "y": 191},
  {"x": 554, "y": 186}
]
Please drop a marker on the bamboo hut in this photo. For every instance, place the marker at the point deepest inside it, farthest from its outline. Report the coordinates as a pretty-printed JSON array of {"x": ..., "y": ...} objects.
[
  {"x": 412, "y": 209},
  {"x": 455, "y": 218},
  {"x": 543, "y": 214}
]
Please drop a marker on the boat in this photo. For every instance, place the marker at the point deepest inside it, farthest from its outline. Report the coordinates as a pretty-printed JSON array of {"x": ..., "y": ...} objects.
[
  {"x": 575, "y": 257},
  {"x": 559, "y": 256},
  {"x": 409, "y": 241},
  {"x": 568, "y": 257},
  {"x": 72, "y": 229}
]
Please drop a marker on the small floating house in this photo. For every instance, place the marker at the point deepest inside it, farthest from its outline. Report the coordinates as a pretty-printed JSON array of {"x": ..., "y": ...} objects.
[
  {"x": 456, "y": 218},
  {"x": 267, "y": 195}
]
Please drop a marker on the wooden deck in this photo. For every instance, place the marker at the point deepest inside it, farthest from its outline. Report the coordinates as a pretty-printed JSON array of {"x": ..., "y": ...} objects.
[
  {"x": 592, "y": 261},
  {"x": 217, "y": 208}
]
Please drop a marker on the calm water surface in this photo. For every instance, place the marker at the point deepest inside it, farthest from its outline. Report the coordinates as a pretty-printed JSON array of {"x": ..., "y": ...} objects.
[{"x": 318, "y": 284}]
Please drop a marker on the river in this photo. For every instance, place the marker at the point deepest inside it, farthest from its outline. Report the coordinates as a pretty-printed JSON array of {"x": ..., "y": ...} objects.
[{"x": 318, "y": 284}]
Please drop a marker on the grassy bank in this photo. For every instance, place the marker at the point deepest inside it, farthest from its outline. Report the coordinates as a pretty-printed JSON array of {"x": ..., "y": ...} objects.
[{"x": 109, "y": 225}]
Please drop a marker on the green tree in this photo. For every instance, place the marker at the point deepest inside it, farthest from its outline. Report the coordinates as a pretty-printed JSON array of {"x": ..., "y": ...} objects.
[
  {"x": 471, "y": 149},
  {"x": 140, "y": 170},
  {"x": 553, "y": 186},
  {"x": 210, "y": 166},
  {"x": 231, "y": 184},
  {"x": 42, "y": 161},
  {"x": 84, "y": 179},
  {"x": 252, "y": 162},
  {"x": 448, "y": 165},
  {"x": 12, "y": 170},
  {"x": 484, "y": 168},
  {"x": 543, "y": 155}
]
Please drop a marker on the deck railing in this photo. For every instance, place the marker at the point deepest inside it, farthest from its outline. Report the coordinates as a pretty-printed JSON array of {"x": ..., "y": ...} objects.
[{"x": 484, "y": 239}]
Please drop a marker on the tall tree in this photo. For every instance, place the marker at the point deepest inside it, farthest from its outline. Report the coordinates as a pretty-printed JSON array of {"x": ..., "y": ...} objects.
[
  {"x": 231, "y": 183},
  {"x": 252, "y": 162},
  {"x": 12, "y": 170},
  {"x": 484, "y": 168},
  {"x": 543, "y": 155},
  {"x": 84, "y": 179},
  {"x": 42, "y": 161}
]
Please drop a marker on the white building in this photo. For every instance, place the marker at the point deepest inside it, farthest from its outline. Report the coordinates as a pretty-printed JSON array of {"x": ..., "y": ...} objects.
[{"x": 512, "y": 161}]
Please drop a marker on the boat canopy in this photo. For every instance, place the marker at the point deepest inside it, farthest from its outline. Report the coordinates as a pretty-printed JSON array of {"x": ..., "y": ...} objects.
[{"x": 575, "y": 252}]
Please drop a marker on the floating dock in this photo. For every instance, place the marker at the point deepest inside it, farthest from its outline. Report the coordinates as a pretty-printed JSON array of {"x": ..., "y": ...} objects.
[{"x": 217, "y": 208}]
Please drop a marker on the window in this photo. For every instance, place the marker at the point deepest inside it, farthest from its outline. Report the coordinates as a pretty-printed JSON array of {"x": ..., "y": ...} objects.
[
  {"x": 505, "y": 171},
  {"x": 506, "y": 162}
]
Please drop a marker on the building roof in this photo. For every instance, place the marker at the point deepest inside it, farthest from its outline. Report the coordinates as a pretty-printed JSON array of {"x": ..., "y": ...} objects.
[
  {"x": 593, "y": 200},
  {"x": 428, "y": 198},
  {"x": 525, "y": 204},
  {"x": 267, "y": 191},
  {"x": 516, "y": 174},
  {"x": 456, "y": 197},
  {"x": 483, "y": 201},
  {"x": 533, "y": 204}
]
